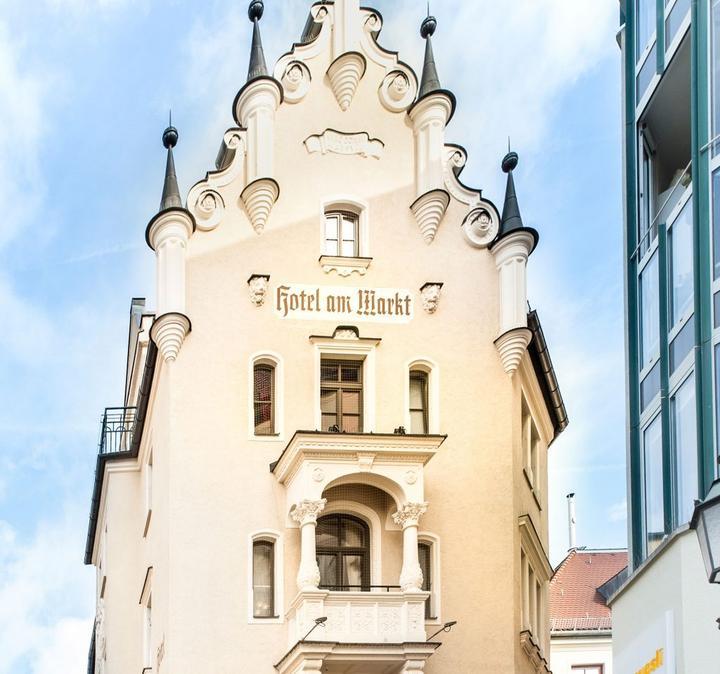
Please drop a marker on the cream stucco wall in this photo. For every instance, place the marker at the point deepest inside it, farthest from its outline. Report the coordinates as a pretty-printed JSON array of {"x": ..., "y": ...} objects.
[
  {"x": 575, "y": 651},
  {"x": 212, "y": 485}
]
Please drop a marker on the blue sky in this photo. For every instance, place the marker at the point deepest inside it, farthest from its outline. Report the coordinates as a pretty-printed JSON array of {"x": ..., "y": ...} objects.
[{"x": 85, "y": 88}]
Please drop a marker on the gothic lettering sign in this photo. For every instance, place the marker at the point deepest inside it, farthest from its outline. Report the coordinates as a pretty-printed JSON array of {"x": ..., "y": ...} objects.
[{"x": 343, "y": 303}]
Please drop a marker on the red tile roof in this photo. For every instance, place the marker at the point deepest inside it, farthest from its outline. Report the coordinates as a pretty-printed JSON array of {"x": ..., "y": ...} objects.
[{"x": 575, "y": 603}]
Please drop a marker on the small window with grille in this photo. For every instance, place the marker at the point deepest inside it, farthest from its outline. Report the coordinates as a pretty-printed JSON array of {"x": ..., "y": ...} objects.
[
  {"x": 264, "y": 398},
  {"x": 341, "y": 395},
  {"x": 418, "y": 401},
  {"x": 263, "y": 579},
  {"x": 342, "y": 234}
]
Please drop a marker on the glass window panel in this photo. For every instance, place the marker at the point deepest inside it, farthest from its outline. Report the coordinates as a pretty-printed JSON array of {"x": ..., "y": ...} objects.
[
  {"x": 672, "y": 24},
  {"x": 331, "y": 247},
  {"x": 353, "y": 571},
  {"x": 715, "y": 74},
  {"x": 681, "y": 262},
  {"x": 649, "y": 311},
  {"x": 263, "y": 419},
  {"x": 351, "y": 424},
  {"x": 717, "y": 399},
  {"x": 417, "y": 422},
  {"x": 684, "y": 431},
  {"x": 263, "y": 383},
  {"x": 327, "y": 533},
  {"x": 351, "y": 402},
  {"x": 351, "y": 372},
  {"x": 417, "y": 391},
  {"x": 349, "y": 228},
  {"x": 653, "y": 471},
  {"x": 328, "y": 401},
  {"x": 647, "y": 72},
  {"x": 716, "y": 219},
  {"x": 348, "y": 249},
  {"x": 716, "y": 309},
  {"x": 682, "y": 345},
  {"x": 329, "y": 421},
  {"x": 424, "y": 555},
  {"x": 263, "y": 590},
  {"x": 650, "y": 387},
  {"x": 328, "y": 570},
  {"x": 352, "y": 534},
  {"x": 331, "y": 227},
  {"x": 645, "y": 21},
  {"x": 328, "y": 371},
  {"x": 647, "y": 228},
  {"x": 263, "y": 393}
]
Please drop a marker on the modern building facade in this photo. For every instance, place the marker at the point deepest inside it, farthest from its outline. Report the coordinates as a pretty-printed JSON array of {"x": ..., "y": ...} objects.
[
  {"x": 671, "y": 66},
  {"x": 332, "y": 450},
  {"x": 580, "y": 619}
]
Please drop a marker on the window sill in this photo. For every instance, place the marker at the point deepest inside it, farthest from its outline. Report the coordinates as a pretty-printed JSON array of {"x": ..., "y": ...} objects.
[
  {"x": 345, "y": 266},
  {"x": 271, "y": 437},
  {"x": 277, "y": 620}
]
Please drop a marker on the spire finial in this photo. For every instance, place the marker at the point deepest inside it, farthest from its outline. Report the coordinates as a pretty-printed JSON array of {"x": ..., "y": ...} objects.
[
  {"x": 429, "y": 25},
  {"x": 171, "y": 192},
  {"x": 430, "y": 81},
  {"x": 510, "y": 161},
  {"x": 257, "y": 67}
]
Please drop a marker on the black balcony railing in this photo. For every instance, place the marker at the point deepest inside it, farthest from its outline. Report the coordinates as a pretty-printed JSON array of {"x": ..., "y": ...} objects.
[
  {"x": 360, "y": 588},
  {"x": 116, "y": 431}
]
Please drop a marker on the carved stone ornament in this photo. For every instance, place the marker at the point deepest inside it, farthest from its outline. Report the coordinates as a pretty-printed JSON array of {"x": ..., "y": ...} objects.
[
  {"x": 397, "y": 91},
  {"x": 258, "y": 284},
  {"x": 345, "y": 73},
  {"x": 208, "y": 209},
  {"x": 429, "y": 210},
  {"x": 430, "y": 293},
  {"x": 409, "y": 515},
  {"x": 337, "y": 142},
  {"x": 307, "y": 511},
  {"x": 168, "y": 332},
  {"x": 258, "y": 198},
  {"x": 511, "y": 347},
  {"x": 296, "y": 81},
  {"x": 411, "y": 578},
  {"x": 480, "y": 227},
  {"x": 318, "y": 474}
]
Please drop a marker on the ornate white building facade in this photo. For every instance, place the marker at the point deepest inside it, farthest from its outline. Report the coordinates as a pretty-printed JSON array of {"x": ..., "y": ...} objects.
[{"x": 332, "y": 450}]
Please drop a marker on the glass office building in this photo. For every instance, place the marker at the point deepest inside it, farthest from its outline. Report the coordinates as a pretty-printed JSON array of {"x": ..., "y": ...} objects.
[{"x": 671, "y": 114}]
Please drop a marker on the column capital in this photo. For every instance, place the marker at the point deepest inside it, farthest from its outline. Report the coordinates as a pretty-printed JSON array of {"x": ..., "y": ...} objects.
[
  {"x": 409, "y": 515},
  {"x": 307, "y": 511}
]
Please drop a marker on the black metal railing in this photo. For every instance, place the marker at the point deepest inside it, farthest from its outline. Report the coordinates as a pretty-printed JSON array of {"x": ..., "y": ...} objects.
[
  {"x": 359, "y": 588},
  {"x": 116, "y": 431}
]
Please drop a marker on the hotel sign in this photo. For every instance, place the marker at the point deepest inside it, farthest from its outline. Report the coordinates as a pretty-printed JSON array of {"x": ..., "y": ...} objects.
[{"x": 343, "y": 303}]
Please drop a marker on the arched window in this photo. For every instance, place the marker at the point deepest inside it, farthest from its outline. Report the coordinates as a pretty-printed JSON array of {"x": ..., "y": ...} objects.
[
  {"x": 264, "y": 398},
  {"x": 419, "y": 401},
  {"x": 425, "y": 556},
  {"x": 343, "y": 553},
  {"x": 342, "y": 233},
  {"x": 263, "y": 578}
]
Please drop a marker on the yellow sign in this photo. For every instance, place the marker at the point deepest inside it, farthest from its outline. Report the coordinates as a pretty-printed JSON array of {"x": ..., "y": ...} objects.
[{"x": 654, "y": 664}]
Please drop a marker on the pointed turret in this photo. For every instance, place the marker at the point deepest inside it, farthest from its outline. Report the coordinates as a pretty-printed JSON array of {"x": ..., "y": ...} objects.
[
  {"x": 257, "y": 67},
  {"x": 430, "y": 80},
  {"x": 171, "y": 192},
  {"x": 511, "y": 220},
  {"x": 171, "y": 224}
]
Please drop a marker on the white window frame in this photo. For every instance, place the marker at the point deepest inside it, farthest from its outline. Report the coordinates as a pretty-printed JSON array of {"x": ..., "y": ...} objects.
[
  {"x": 535, "y": 569},
  {"x": 276, "y": 361},
  {"x": 531, "y": 449},
  {"x": 146, "y": 604},
  {"x": 148, "y": 491},
  {"x": 345, "y": 266},
  {"x": 276, "y": 538},
  {"x": 435, "y": 593},
  {"x": 432, "y": 370},
  {"x": 340, "y": 349}
]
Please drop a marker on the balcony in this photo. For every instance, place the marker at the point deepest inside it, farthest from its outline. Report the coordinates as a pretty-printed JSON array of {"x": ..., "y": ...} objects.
[
  {"x": 383, "y": 615},
  {"x": 116, "y": 430}
]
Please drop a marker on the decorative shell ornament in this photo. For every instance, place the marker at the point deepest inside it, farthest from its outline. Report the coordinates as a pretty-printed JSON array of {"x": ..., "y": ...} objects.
[
  {"x": 258, "y": 198},
  {"x": 429, "y": 210},
  {"x": 345, "y": 73}
]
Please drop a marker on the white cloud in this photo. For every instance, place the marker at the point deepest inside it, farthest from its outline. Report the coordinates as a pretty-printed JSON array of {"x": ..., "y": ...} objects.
[{"x": 45, "y": 596}]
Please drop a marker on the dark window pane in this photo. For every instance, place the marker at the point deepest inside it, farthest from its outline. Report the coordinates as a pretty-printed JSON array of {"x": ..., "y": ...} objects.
[
  {"x": 649, "y": 311},
  {"x": 327, "y": 533},
  {"x": 351, "y": 424},
  {"x": 653, "y": 471},
  {"x": 328, "y": 401},
  {"x": 675, "y": 19},
  {"x": 263, "y": 580},
  {"x": 343, "y": 552},
  {"x": 682, "y": 344},
  {"x": 328, "y": 371},
  {"x": 717, "y": 399},
  {"x": 715, "y": 76},
  {"x": 418, "y": 402},
  {"x": 328, "y": 570},
  {"x": 353, "y": 575},
  {"x": 681, "y": 264},
  {"x": 650, "y": 387},
  {"x": 352, "y": 534},
  {"x": 684, "y": 432},
  {"x": 351, "y": 372},
  {"x": 264, "y": 403},
  {"x": 716, "y": 218},
  {"x": 351, "y": 402},
  {"x": 645, "y": 19},
  {"x": 424, "y": 552},
  {"x": 341, "y": 395},
  {"x": 716, "y": 309}
]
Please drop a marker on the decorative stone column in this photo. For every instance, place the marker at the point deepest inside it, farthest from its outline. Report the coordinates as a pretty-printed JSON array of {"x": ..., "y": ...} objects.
[
  {"x": 305, "y": 514},
  {"x": 408, "y": 517}
]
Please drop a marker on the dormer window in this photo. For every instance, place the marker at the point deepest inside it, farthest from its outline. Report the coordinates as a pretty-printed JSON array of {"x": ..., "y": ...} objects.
[{"x": 342, "y": 234}]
